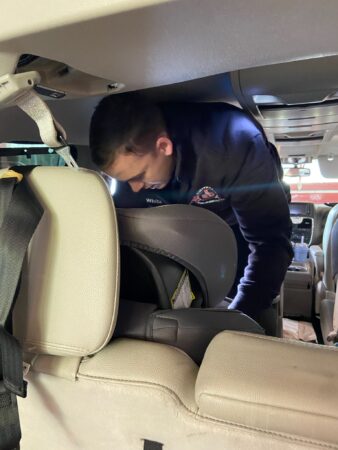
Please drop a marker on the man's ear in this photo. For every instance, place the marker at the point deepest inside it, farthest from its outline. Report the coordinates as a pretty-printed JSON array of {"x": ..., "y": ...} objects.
[{"x": 165, "y": 146}]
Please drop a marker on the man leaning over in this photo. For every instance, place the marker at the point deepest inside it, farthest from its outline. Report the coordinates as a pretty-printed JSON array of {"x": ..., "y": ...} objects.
[{"x": 212, "y": 155}]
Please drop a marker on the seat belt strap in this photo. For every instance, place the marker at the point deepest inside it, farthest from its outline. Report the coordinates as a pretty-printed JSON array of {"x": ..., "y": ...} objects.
[
  {"x": 20, "y": 219},
  {"x": 18, "y": 90},
  {"x": 36, "y": 108},
  {"x": 7, "y": 186},
  {"x": 51, "y": 132},
  {"x": 22, "y": 216},
  {"x": 10, "y": 432}
]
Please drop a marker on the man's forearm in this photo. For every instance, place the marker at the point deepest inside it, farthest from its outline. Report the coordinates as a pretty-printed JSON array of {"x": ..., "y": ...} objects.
[{"x": 262, "y": 278}]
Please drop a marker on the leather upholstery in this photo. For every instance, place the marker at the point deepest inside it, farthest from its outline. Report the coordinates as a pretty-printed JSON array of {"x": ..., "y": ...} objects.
[
  {"x": 329, "y": 306},
  {"x": 250, "y": 392},
  {"x": 325, "y": 261},
  {"x": 319, "y": 220},
  {"x": 72, "y": 266},
  {"x": 327, "y": 249},
  {"x": 326, "y": 318},
  {"x": 317, "y": 256},
  {"x": 285, "y": 386}
]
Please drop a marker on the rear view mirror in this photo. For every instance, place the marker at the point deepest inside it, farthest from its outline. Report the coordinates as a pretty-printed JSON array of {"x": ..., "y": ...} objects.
[{"x": 297, "y": 172}]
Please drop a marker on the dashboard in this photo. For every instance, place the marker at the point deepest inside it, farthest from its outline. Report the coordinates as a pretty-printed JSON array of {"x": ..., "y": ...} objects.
[
  {"x": 302, "y": 227},
  {"x": 308, "y": 220}
]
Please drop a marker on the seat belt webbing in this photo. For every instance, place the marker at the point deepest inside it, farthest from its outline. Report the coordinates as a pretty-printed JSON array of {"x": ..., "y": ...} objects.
[
  {"x": 7, "y": 186},
  {"x": 18, "y": 90},
  {"x": 50, "y": 130},
  {"x": 21, "y": 217}
]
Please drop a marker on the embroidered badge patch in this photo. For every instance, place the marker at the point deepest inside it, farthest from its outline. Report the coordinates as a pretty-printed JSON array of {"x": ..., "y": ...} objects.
[{"x": 205, "y": 195}]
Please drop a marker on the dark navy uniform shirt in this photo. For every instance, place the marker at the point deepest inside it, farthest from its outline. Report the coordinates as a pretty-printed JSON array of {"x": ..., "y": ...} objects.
[{"x": 224, "y": 163}]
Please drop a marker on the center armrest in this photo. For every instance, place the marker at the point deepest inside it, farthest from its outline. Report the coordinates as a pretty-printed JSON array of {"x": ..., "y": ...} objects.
[{"x": 272, "y": 384}]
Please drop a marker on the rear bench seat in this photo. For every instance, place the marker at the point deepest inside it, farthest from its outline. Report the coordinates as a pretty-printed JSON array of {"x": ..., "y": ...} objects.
[{"x": 88, "y": 391}]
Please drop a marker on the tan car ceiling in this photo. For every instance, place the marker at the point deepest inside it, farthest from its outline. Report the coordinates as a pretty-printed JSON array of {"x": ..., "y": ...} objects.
[
  {"x": 169, "y": 42},
  {"x": 150, "y": 43},
  {"x": 36, "y": 16}
]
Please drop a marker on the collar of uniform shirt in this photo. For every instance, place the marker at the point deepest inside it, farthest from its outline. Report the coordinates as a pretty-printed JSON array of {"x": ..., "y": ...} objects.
[{"x": 184, "y": 165}]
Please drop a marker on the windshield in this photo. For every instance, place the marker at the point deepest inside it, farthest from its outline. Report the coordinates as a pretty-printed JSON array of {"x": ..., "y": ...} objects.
[{"x": 313, "y": 188}]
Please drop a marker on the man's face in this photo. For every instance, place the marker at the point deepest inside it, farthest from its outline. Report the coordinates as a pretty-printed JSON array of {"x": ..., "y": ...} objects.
[{"x": 152, "y": 170}]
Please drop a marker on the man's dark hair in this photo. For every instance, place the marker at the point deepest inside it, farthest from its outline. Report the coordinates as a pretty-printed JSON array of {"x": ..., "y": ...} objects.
[{"x": 127, "y": 120}]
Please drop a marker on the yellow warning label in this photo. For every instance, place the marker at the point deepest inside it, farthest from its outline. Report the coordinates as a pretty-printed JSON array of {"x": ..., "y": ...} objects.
[{"x": 12, "y": 174}]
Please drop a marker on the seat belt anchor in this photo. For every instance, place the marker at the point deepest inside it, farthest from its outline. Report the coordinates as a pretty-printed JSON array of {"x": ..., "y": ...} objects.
[
  {"x": 64, "y": 152},
  {"x": 13, "y": 86}
]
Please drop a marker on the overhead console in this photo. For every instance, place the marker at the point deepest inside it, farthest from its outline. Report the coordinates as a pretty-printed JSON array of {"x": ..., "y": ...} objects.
[{"x": 296, "y": 102}]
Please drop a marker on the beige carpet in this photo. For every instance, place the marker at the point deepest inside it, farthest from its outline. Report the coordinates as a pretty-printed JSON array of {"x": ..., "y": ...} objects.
[{"x": 300, "y": 331}]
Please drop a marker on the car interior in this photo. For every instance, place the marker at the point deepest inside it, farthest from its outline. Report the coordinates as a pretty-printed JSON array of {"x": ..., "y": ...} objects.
[{"x": 122, "y": 314}]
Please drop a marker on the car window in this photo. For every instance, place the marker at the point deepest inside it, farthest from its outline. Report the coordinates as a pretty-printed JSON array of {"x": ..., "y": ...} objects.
[
  {"x": 111, "y": 182},
  {"x": 313, "y": 188},
  {"x": 28, "y": 154}
]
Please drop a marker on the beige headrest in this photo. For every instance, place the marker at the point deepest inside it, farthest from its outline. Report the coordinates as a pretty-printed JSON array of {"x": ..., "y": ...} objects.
[{"x": 68, "y": 297}]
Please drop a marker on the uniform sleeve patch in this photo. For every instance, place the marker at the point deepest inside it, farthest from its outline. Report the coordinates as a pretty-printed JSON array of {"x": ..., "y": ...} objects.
[{"x": 205, "y": 195}]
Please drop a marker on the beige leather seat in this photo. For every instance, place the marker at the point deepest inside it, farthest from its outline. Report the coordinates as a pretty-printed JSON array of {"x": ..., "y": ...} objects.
[
  {"x": 329, "y": 318},
  {"x": 323, "y": 260},
  {"x": 87, "y": 392},
  {"x": 329, "y": 306}
]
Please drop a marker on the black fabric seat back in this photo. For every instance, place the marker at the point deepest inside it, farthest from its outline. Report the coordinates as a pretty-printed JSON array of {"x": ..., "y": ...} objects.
[
  {"x": 159, "y": 247},
  {"x": 152, "y": 278},
  {"x": 159, "y": 244}
]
